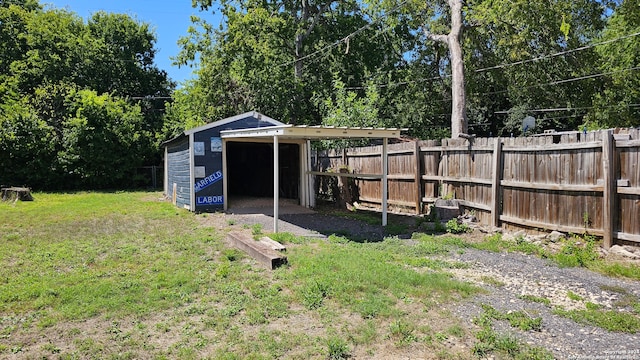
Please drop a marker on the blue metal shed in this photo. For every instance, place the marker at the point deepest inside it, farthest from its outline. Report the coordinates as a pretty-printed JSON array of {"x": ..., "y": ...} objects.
[{"x": 193, "y": 162}]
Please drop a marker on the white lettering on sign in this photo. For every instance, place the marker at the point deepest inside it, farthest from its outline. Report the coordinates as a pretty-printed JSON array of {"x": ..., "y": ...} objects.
[
  {"x": 211, "y": 179},
  {"x": 210, "y": 200}
]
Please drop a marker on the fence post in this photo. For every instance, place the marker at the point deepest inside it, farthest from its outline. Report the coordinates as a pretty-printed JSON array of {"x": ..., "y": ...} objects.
[
  {"x": 610, "y": 189},
  {"x": 418, "y": 179},
  {"x": 495, "y": 182}
]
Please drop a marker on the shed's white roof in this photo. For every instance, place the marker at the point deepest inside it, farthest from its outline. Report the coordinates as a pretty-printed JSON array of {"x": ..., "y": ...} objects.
[
  {"x": 231, "y": 119},
  {"x": 313, "y": 132}
]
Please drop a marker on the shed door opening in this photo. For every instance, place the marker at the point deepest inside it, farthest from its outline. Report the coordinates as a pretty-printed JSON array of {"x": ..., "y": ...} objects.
[{"x": 250, "y": 170}]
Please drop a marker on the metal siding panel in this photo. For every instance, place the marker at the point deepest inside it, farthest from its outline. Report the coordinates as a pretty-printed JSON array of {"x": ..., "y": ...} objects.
[{"x": 178, "y": 171}]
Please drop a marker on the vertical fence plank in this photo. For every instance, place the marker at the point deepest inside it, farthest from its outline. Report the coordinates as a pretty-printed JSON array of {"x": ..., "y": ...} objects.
[
  {"x": 495, "y": 183},
  {"x": 610, "y": 184}
]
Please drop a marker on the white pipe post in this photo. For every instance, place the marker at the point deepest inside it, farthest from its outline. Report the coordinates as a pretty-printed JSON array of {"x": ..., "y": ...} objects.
[
  {"x": 385, "y": 170},
  {"x": 311, "y": 189},
  {"x": 276, "y": 185}
]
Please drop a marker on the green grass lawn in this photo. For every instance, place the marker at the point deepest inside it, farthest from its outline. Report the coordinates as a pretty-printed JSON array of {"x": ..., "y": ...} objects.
[{"x": 124, "y": 275}]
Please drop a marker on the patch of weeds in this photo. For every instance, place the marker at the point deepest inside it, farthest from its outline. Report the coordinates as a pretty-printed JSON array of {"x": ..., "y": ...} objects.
[
  {"x": 338, "y": 239},
  {"x": 231, "y": 254},
  {"x": 223, "y": 270},
  {"x": 456, "y": 330},
  {"x": 402, "y": 332},
  {"x": 374, "y": 305},
  {"x": 611, "y": 320},
  {"x": 232, "y": 222},
  {"x": 490, "y": 342},
  {"x": 163, "y": 327},
  {"x": 591, "y": 306},
  {"x": 256, "y": 229},
  {"x": 288, "y": 238},
  {"x": 337, "y": 348},
  {"x": 536, "y": 299},
  {"x": 573, "y": 296},
  {"x": 495, "y": 243},
  {"x": 518, "y": 319},
  {"x": 51, "y": 348},
  {"x": 616, "y": 269},
  {"x": 441, "y": 337},
  {"x": 313, "y": 294},
  {"x": 454, "y": 226},
  {"x": 573, "y": 254},
  {"x": 490, "y": 280},
  {"x": 430, "y": 245}
]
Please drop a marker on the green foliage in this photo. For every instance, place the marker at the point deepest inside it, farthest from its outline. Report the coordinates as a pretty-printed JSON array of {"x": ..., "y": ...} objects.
[
  {"x": 337, "y": 348},
  {"x": 611, "y": 320},
  {"x": 67, "y": 120},
  {"x": 402, "y": 333},
  {"x": 454, "y": 226},
  {"x": 574, "y": 255},
  {"x": 537, "y": 299},
  {"x": 490, "y": 342}
]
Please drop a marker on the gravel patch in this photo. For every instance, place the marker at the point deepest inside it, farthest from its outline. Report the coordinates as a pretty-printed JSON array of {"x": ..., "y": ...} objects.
[{"x": 513, "y": 275}]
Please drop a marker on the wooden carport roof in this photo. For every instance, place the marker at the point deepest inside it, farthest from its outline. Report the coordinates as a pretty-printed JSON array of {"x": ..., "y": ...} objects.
[{"x": 301, "y": 132}]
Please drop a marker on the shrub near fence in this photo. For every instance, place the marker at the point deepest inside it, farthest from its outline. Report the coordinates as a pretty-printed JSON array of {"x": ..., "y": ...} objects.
[{"x": 571, "y": 182}]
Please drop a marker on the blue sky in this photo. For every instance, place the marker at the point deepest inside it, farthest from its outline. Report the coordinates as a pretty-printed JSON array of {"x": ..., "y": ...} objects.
[{"x": 169, "y": 18}]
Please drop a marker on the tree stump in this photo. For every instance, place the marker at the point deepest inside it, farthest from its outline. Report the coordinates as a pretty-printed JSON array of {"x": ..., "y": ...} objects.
[{"x": 16, "y": 193}]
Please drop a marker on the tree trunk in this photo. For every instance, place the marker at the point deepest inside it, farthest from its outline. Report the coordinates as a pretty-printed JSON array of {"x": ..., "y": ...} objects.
[{"x": 459, "y": 123}]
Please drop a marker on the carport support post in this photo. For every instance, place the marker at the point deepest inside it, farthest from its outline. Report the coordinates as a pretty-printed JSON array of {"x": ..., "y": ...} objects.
[
  {"x": 385, "y": 168},
  {"x": 276, "y": 181}
]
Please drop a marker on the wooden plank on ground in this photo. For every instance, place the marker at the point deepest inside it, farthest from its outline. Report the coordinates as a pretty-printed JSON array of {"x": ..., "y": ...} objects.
[{"x": 257, "y": 250}]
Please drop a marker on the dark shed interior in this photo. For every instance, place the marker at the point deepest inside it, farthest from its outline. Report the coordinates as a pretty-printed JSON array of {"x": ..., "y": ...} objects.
[{"x": 250, "y": 169}]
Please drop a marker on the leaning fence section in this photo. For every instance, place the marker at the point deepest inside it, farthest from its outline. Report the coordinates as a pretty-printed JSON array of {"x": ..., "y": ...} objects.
[{"x": 571, "y": 182}]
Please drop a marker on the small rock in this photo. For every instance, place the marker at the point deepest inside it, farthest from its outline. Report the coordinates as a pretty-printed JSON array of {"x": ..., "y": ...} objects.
[
  {"x": 621, "y": 251},
  {"x": 554, "y": 236}
]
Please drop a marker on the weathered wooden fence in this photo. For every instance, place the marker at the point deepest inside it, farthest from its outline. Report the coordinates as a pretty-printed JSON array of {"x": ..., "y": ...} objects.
[{"x": 572, "y": 182}]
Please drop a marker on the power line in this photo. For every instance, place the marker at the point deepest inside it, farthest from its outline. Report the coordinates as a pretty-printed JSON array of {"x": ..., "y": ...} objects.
[
  {"x": 564, "y": 81},
  {"x": 503, "y": 65},
  {"x": 344, "y": 39},
  {"x": 565, "y": 109},
  {"x": 558, "y": 53}
]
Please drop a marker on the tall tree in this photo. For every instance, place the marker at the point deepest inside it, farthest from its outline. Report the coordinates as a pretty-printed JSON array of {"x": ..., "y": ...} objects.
[
  {"x": 459, "y": 123},
  {"x": 57, "y": 68},
  {"x": 618, "y": 104}
]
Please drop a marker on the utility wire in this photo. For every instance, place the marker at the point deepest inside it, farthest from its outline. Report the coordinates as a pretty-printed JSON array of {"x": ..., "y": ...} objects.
[
  {"x": 504, "y": 65},
  {"x": 565, "y": 109},
  {"x": 564, "y": 81},
  {"x": 344, "y": 39},
  {"x": 558, "y": 53}
]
